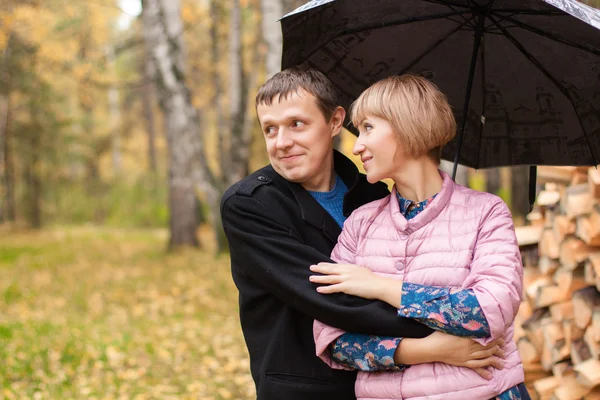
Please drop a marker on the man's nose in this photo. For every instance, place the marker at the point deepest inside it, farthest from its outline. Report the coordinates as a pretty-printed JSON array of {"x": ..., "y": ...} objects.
[{"x": 284, "y": 140}]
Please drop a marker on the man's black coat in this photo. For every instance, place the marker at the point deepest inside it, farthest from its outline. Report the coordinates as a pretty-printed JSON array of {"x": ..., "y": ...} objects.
[{"x": 276, "y": 230}]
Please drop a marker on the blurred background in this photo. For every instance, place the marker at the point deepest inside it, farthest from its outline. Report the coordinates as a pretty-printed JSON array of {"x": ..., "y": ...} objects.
[{"x": 121, "y": 124}]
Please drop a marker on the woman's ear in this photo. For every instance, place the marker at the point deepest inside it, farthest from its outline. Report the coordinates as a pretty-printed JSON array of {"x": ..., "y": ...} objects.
[{"x": 337, "y": 121}]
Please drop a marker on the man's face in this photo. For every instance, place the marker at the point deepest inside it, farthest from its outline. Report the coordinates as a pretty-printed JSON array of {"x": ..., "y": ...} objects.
[{"x": 299, "y": 140}]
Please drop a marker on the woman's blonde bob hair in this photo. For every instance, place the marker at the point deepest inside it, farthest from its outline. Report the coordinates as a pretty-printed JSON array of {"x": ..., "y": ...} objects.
[{"x": 417, "y": 110}]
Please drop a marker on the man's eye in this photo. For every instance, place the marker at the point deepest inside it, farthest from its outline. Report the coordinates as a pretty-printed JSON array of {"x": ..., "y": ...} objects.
[
  {"x": 297, "y": 124},
  {"x": 270, "y": 130}
]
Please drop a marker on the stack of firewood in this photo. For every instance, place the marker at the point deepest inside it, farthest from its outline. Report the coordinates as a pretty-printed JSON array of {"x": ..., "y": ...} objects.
[{"x": 558, "y": 326}]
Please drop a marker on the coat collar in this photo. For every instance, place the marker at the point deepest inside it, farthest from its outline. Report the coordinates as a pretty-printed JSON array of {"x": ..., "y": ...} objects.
[
  {"x": 428, "y": 214},
  {"x": 311, "y": 210}
]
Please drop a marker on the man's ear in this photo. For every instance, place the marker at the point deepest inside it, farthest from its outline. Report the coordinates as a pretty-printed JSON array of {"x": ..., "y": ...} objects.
[{"x": 337, "y": 121}]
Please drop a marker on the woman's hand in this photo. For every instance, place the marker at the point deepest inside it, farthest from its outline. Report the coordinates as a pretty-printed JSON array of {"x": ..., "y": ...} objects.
[
  {"x": 453, "y": 350},
  {"x": 357, "y": 281}
]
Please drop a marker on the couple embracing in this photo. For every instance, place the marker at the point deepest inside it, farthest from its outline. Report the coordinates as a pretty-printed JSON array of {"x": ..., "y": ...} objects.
[{"x": 349, "y": 291}]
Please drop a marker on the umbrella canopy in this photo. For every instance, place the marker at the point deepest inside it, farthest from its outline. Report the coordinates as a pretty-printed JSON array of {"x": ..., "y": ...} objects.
[{"x": 523, "y": 77}]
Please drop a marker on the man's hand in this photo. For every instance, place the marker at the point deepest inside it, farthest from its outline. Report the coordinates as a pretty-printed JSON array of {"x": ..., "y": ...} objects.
[
  {"x": 357, "y": 281},
  {"x": 452, "y": 350}
]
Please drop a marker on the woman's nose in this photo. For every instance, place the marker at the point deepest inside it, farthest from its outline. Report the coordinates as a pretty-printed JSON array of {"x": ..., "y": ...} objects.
[{"x": 358, "y": 147}]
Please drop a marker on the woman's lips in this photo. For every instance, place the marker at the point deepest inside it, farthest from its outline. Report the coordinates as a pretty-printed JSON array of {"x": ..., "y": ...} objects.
[{"x": 366, "y": 162}]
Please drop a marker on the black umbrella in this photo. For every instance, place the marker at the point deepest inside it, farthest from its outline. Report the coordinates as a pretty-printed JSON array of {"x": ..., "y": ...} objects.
[{"x": 523, "y": 76}]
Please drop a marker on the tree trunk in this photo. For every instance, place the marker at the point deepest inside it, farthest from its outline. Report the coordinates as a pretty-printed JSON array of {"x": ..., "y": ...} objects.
[
  {"x": 493, "y": 183},
  {"x": 148, "y": 106},
  {"x": 7, "y": 210},
  {"x": 272, "y": 10},
  {"x": 188, "y": 167},
  {"x": 238, "y": 96},
  {"x": 520, "y": 191},
  {"x": 3, "y": 121},
  {"x": 220, "y": 122},
  {"x": 115, "y": 115},
  {"x": 32, "y": 178}
]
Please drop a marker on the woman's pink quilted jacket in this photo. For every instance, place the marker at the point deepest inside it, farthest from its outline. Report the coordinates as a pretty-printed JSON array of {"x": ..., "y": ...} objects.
[{"x": 463, "y": 238}]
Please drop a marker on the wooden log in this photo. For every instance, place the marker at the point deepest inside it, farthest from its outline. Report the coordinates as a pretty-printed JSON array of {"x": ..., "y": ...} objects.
[
  {"x": 528, "y": 234},
  {"x": 534, "y": 287},
  {"x": 572, "y": 332},
  {"x": 580, "y": 351},
  {"x": 547, "y": 265},
  {"x": 579, "y": 177},
  {"x": 584, "y": 302},
  {"x": 548, "y": 246},
  {"x": 562, "y": 311},
  {"x": 549, "y": 215},
  {"x": 554, "y": 341},
  {"x": 527, "y": 350},
  {"x": 592, "y": 340},
  {"x": 563, "y": 370},
  {"x": 547, "y": 198},
  {"x": 594, "y": 182},
  {"x": 588, "y": 228},
  {"x": 555, "y": 175},
  {"x": 588, "y": 373},
  {"x": 548, "y": 295},
  {"x": 592, "y": 268},
  {"x": 563, "y": 226},
  {"x": 594, "y": 394},
  {"x": 536, "y": 217},
  {"x": 533, "y": 328},
  {"x": 570, "y": 281},
  {"x": 577, "y": 201},
  {"x": 544, "y": 387},
  {"x": 572, "y": 252},
  {"x": 570, "y": 389}
]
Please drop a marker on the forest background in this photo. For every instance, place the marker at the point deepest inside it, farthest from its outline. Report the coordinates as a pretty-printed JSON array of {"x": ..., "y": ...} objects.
[{"x": 121, "y": 124}]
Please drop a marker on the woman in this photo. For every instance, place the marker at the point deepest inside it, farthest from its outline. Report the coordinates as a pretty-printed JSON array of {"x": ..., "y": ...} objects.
[{"x": 439, "y": 252}]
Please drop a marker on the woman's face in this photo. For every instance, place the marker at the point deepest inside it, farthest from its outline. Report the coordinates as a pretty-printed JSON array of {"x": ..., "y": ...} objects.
[{"x": 379, "y": 149}]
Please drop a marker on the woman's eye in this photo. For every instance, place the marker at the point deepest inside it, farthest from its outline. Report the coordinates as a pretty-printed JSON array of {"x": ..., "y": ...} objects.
[{"x": 368, "y": 127}]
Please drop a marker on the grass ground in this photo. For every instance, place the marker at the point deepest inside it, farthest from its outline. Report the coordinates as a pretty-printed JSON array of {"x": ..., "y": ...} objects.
[{"x": 98, "y": 313}]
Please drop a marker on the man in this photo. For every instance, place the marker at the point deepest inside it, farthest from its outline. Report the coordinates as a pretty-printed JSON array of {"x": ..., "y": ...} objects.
[{"x": 285, "y": 217}]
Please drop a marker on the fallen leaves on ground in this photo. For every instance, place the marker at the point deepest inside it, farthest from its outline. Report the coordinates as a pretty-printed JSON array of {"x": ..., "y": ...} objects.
[{"x": 99, "y": 313}]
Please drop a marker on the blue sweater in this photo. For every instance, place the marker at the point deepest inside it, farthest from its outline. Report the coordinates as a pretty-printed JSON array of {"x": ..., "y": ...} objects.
[{"x": 333, "y": 201}]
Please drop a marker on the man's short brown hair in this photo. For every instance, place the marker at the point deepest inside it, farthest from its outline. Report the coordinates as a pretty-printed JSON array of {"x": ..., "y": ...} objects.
[
  {"x": 417, "y": 110},
  {"x": 292, "y": 80}
]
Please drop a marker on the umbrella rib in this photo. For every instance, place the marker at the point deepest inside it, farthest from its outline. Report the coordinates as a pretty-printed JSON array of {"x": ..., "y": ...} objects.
[
  {"x": 483, "y": 88},
  {"x": 436, "y": 44},
  {"x": 462, "y": 16},
  {"x": 448, "y": 4},
  {"x": 551, "y": 77},
  {"x": 410, "y": 20},
  {"x": 553, "y": 37},
  {"x": 549, "y": 13}
]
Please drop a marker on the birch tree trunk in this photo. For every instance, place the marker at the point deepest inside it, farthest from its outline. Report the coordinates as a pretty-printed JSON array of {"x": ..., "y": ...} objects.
[
  {"x": 272, "y": 10},
  {"x": 149, "y": 74},
  {"x": 220, "y": 121},
  {"x": 7, "y": 209},
  {"x": 188, "y": 169},
  {"x": 238, "y": 97},
  {"x": 115, "y": 114}
]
